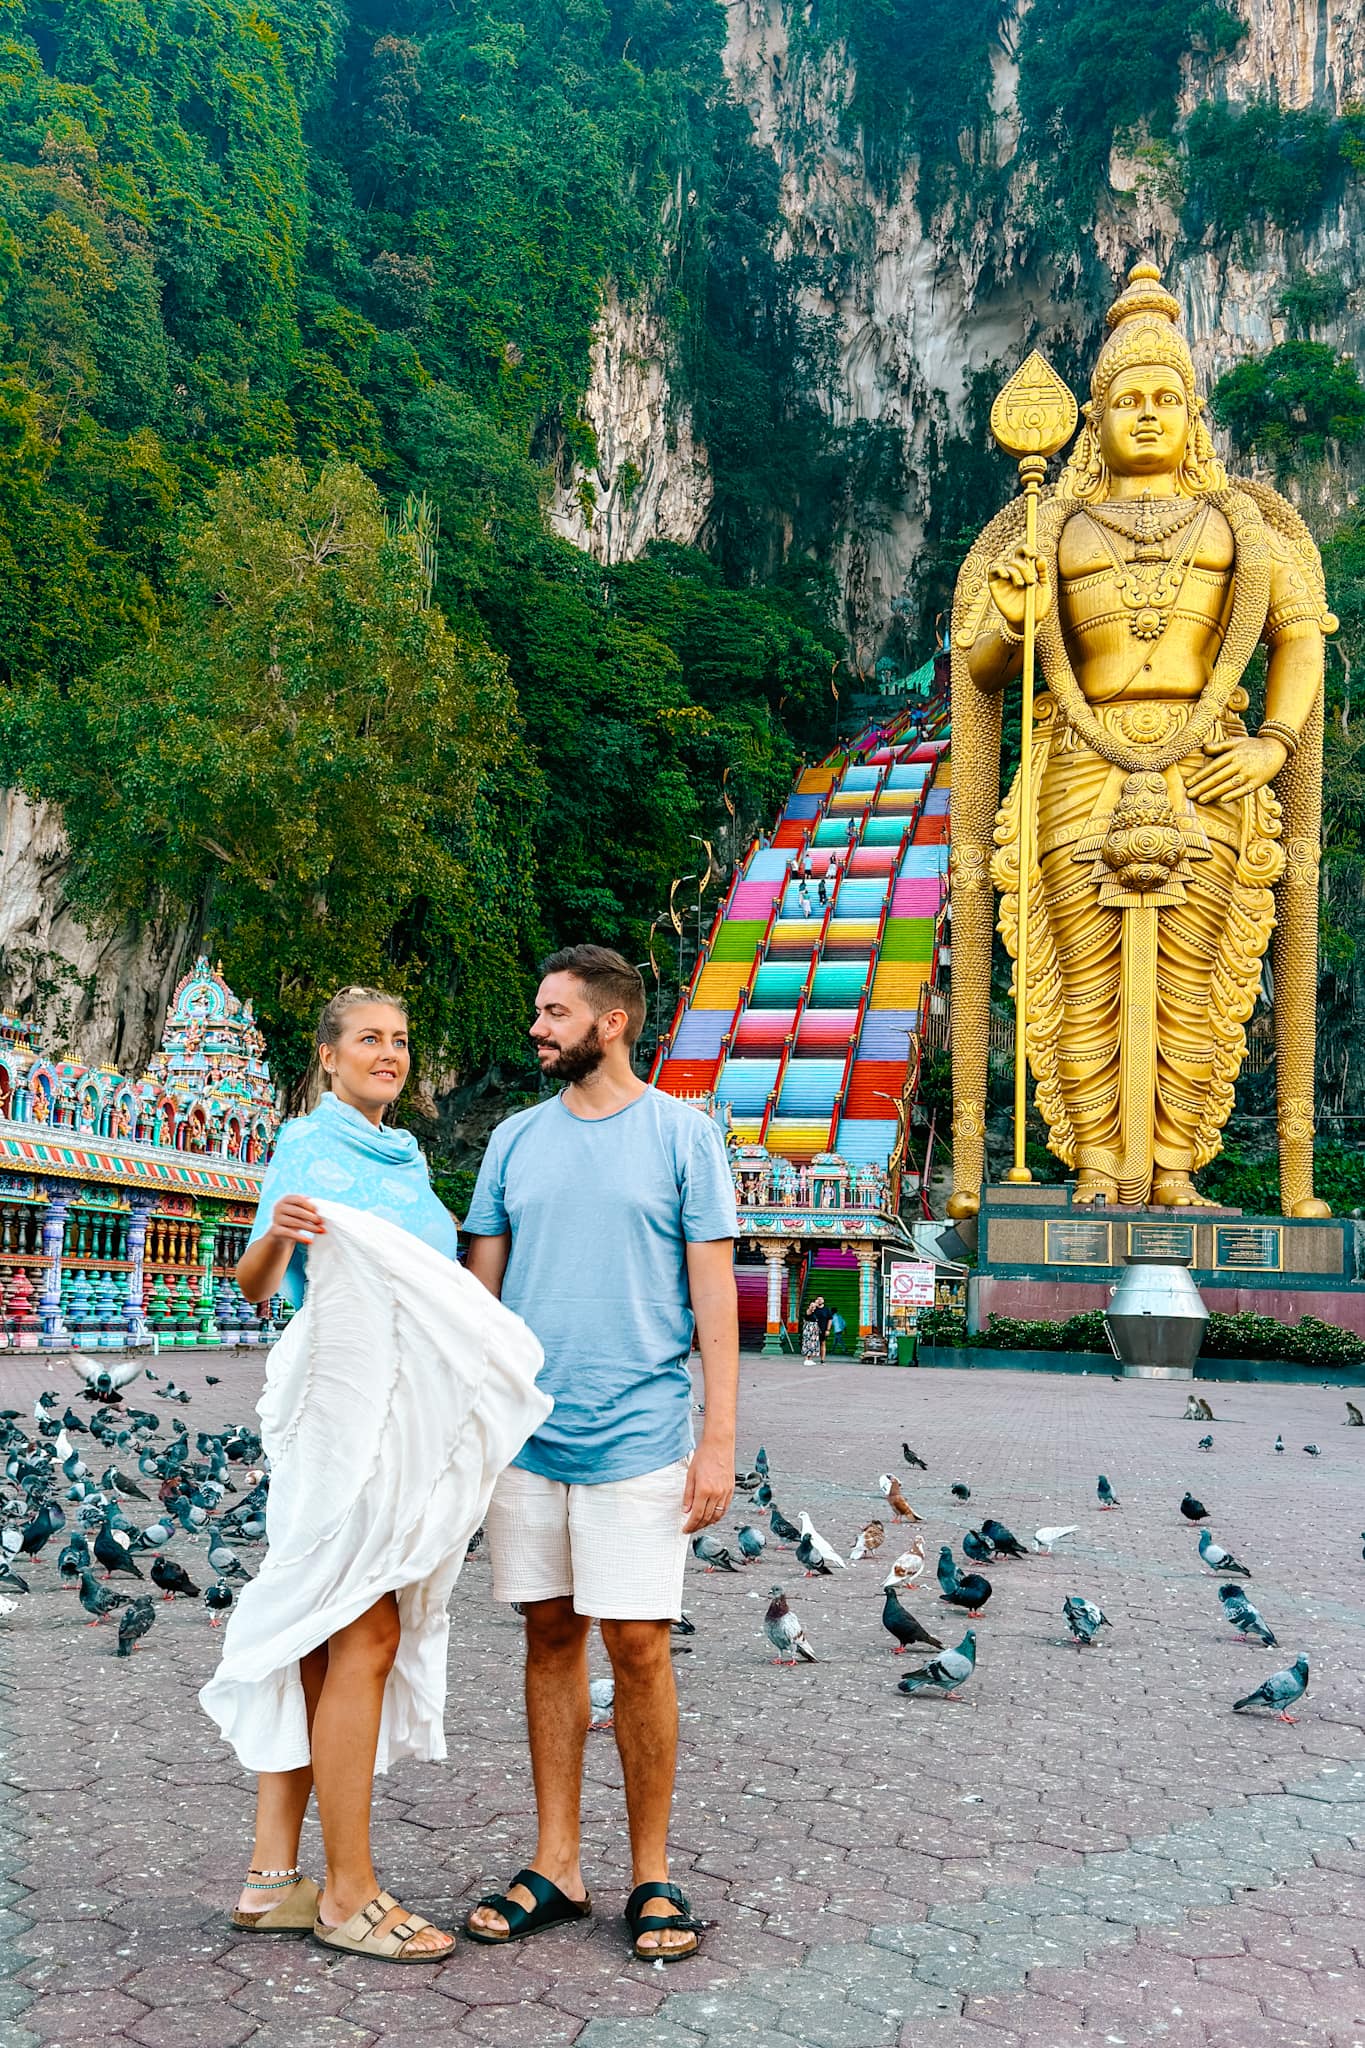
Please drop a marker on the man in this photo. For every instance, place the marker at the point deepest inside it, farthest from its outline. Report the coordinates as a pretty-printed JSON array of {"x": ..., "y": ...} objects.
[{"x": 606, "y": 1218}]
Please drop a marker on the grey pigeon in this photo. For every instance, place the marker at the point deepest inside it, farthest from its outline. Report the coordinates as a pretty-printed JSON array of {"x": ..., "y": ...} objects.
[
  {"x": 960, "y": 1491},
  {"x": 977, "y": 1547},
  {"x": 112, "y": 1552},
  {"x": 134, "y": 1623},
  {"x": 783, "y": 1530},
  {"x": 1280, "y": 1690},
  {"x": 825, "y": 1548},
  {"x": 1279, "y": 1445},
  {"x": 712, "y": 1552},
  {"x": 1205, "y": 1443},
  {"x": 785, "y": 1632},
  {"x": 944, "y": 1673},
  {"x": 752, "y": 1542},
  {"x": 1084, "y": 1619},
  {"x": 1217, "y": 1559},
  {"x": 810, "y": 1559},
  {"x": 947, "y": 1570},
  {"x": 1313, "y": 1450},
  {"x": 1105, "y": 1493},
  {"x": 602, "y": 1697},
  {"x": 224, "y": 1560},
  {"x": 899, "y": 1622},
  {"x": 911, "y": 1459},
  {"x": 1247, "y": 1619},
  {"x": 97, "y": 1600}
]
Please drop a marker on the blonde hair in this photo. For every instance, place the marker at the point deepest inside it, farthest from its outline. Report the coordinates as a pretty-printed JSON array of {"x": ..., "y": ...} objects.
[{"x": 336, "y": 1009}]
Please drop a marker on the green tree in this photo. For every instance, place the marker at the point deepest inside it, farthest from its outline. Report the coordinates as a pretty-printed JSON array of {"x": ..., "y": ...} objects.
[
  {"x": 304, "y": 759},
  {"x": 1290, "y": 402}
]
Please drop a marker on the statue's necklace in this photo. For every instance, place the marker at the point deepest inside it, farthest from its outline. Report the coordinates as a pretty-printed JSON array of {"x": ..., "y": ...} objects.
[{"x": 1150, "y": 577}]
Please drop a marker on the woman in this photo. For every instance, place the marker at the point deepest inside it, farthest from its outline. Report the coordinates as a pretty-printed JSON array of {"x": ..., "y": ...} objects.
[
  {"x": 814, "y": 1323},
  {"x": 390, "y": 1405}
]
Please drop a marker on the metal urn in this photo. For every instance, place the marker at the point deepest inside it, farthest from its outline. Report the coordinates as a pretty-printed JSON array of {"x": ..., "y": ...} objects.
[{"x": 1155, "y": 1319}]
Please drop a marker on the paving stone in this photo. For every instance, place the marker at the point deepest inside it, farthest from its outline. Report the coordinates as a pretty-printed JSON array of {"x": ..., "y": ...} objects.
[
  {"x": 55, "y": 2017},
  {"x": 207, "y": 2026}
]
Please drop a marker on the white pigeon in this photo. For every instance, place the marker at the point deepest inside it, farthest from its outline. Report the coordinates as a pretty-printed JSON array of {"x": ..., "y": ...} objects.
[
  {"x": 908, "y": 1568},
  {"x": 817, "y": 1541},
  {"x": 1044, "y": 1539}
]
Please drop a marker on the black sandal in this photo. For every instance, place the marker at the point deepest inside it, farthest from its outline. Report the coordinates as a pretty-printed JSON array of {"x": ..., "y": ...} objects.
[
  {"x": 552, "y": 1906},
  {"x": 640, "y": 1922}
]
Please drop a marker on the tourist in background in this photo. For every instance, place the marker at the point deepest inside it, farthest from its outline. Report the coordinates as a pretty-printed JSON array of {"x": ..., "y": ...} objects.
[
  {"x": 606, "y": 1217},
  {"x": 815, "y": 1324},
  {"x": 391, "y": 1403}
]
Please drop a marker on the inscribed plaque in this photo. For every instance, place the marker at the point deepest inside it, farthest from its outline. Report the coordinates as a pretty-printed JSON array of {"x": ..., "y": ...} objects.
[
  {"x": 1250, "y": 1247},
  {"x": 1077, "y": 1244},
  {"x": 1173, "y": 1241}
]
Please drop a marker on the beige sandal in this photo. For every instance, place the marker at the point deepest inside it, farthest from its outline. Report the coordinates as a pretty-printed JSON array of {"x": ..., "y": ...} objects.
[
  {"x": 357, "y": 1936},
  {"x": 295, "y": 1913}
]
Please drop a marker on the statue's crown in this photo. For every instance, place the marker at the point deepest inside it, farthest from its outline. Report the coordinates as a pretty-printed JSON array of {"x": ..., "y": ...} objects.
[{"x": 1146, "y": 294}]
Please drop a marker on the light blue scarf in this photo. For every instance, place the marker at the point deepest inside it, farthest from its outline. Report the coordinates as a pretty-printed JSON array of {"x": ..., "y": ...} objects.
[{"x": 338, "y": 1155}]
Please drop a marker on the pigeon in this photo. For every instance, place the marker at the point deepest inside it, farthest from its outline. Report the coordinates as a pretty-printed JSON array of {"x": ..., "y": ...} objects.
[
  {"x": 959, "y": 1491},
  {"x": 155, "y": 1536},
  {"x": 602, "y": 1695},
  {"x": 97, "y": 1600},
  {"x": 901, "y": 1623},
  {"x": 911, "y": 1460},
  {"x": 134, "y": 1623},
  {"x": 972, "y": 1592},
  {"x": 783, "y": 1530},
  {"x": 111, "y": 1550},
  {"x": 752, "y": 1542},
  {"x": 113, "y": 1481},
  {"x": 1217, "y": 1559},
  {"x": 811, "y": 1561},
  {"x": 899, "y": 1505},
  {"x": 869, "y": 1540},
  {"x": 1045, "y": 1539},
  {"x": 1193, "y": 1510},
  {"x": 1279, "y": 1446},
  {"x": 218, "y": 1598},
  {"x": 73, "y": 1559},
  {"x": 172, "y": 1579},
  {"x": 826, "y": 1550},
  {"x": 1313, "y": 1450},
  {"x": 712, "y": 1552},
  {"x": 220, "y": 1550},
  {"x": 763, "y": 1496},
  {"x": 683, "y": 1627},
  {"x": 761, "y": 1462},
  {"x": 1354, "y": 1418},
  {"x": 947, "y": 1570},
  {"x": 785, "y": 1632},
  {"x": 1205, "y": 1443},
  {"x": 1245, "y": 1618},
  {"x": 908, "y": 1568},
  {"x": 41, "y": 1529},
  {"x": 1084, "y": 1619},
  {"x": 944, "y": 1673},
  {"x": 1280, "y": 1690},
  {"x": 1105, "y": 1494},
  {"x": 977, "y": 1547},
  {"x": 10, "y": 1579},
  {"x": 1006, "y": 1543},
  {"x": 228, "y": 1565}
]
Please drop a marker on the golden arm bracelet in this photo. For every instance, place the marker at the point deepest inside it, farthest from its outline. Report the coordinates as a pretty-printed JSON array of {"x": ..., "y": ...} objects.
[{"x": 1276, "y": 729}]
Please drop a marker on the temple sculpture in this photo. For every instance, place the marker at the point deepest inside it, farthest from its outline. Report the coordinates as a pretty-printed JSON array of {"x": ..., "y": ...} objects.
[{"x": 1165, "y": 842}]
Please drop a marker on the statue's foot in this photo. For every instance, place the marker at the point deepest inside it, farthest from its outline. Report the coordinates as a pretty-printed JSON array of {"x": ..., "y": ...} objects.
[
  {"x": 1178, "y": 1191},
  {"x": 1312, "y": 1207},
  {"x": 1094, "y": 1187},
  {"x": 964, "y": 1202}
]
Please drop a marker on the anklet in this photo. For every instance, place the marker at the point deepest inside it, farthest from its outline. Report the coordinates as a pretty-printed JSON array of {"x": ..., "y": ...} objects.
[{"x": 272, "y": 1879}]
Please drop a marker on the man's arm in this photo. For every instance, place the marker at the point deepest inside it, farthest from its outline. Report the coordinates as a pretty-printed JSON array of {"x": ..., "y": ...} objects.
[
  {"x": 487, "y": 1260},
  {"x": 711, "y": 1475}
]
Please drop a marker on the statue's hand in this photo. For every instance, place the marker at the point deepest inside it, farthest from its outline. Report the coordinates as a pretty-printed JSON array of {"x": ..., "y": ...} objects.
[
  {"x": 1010, "y": 576},
  {"x": 1234, "y": 768}
]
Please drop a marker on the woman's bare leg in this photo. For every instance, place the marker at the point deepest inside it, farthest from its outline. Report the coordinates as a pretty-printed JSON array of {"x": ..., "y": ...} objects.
[
  {"x": 345, "y": 1735},
  {"x": 281, "y": 1802}
]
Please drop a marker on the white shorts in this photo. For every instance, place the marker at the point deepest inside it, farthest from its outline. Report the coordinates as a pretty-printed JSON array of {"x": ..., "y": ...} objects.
[{"x": 618, "y": 1549}]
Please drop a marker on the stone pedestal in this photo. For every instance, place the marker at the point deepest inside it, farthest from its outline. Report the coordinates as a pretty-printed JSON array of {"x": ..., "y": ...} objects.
[{"x": 1040, "y": 1256}]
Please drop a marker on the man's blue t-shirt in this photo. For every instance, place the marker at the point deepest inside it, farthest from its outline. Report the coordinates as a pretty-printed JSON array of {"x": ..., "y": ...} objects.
[{"x": 600, "y": 1212}]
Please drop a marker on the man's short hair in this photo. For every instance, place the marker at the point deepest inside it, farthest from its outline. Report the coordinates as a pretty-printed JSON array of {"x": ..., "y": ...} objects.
[{"x": 608, "y": 980}]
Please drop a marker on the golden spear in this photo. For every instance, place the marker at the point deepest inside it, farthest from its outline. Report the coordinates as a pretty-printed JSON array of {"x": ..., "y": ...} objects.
[{"x": 1032, "y": 417}]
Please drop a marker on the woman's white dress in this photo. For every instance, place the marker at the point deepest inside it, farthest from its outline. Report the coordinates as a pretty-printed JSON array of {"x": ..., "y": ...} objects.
[{"x": 392, "y": 1402}]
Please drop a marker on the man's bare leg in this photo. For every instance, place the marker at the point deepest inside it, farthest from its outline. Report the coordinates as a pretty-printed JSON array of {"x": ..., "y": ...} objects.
[
  {"x": 646, "y": 1708},
  {"x": 557, "y": 1715}
]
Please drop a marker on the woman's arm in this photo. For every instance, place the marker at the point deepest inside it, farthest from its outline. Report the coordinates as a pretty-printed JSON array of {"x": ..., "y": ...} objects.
[{"x": 261, "y": 1268}]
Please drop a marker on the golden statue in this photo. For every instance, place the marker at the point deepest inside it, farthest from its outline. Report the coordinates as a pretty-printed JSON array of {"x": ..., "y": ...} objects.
[{"x": 1164, "y": 842}]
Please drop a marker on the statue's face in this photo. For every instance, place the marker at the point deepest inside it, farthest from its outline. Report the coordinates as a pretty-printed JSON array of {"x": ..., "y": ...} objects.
[{"x": 1146, "y": 423}]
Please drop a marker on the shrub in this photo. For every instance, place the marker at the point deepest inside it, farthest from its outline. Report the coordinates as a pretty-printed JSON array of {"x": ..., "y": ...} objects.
[
  {"x": 1292, "y": 401},
  {"x": 1261, "y": 161}
]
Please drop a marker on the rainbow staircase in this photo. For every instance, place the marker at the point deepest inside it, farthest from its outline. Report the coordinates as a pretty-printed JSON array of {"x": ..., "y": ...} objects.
[{"x": 800, "y": 1018}]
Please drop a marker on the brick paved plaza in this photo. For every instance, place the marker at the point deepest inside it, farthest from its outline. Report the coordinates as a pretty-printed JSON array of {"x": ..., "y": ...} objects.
[{"x": 1088, "y": 1847}]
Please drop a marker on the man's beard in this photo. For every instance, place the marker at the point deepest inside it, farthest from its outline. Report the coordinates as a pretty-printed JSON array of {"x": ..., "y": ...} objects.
[{"x": 575, "y": 1062}]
